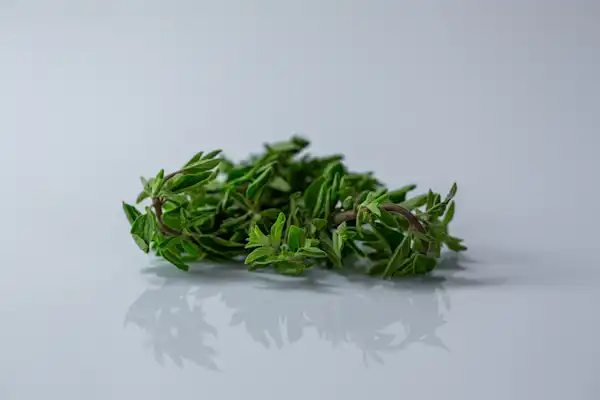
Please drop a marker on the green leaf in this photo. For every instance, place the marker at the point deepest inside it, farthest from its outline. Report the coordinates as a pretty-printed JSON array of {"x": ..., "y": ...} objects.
[
  {"x": 194, "y": 159},
  {"x": 451, "y": 193},
  {"x": 380, "y": 196},
  {"x": 318, "y": 209},
  {"x": 311, "y": 194},
  {"x": 312, "y": 252},
  {"x": 212, "y": 154},
  {"x": 157, "y": 183},
  {"x": 352, "y": 245},
  {"x": 328, "y": 203},
  {"x": 393, "y": 237},
  {"x": 281, "y": 147},
  {"x": 145, "y": 183},
  {"x": 191, "y": 248},
  {"x": 141, "y": 197},
  {"x": 338, "y": 243},
  {"x": 223, "y": 202},
  {"x": 326, "y": 245},
  {"x": 389, "y": 219},
  {"x": 139, "y": 232},
  {"x": 224, "y": 243},
  {"x": 131, "y": 213},
  {"x": 415, "y": 202},
  {"x": 259, "y": 254},
  {"x": 141, "y": 242},
  {"x": 236, "y": 221},
  {"x": 430, "y": 200},
  {"x": 338, "y": 238},
  {"x": 152, "y": 231},
  {"x": 362, "y": 197},
  {"x": 270, "y": 213},
  {"x": 320, "y": 223},
  {"x": 256, "y": 238},
  {"x": 291, "y": 269},
  {"x": 368, "y": 199},
  {"x": 262, "y": 168},
  {"x": 455, "y": 244},
  {"x": 278, "y": 183},
  {"x": 277, "y": 230},
  {"x": 399, "y": 195},
  {"x": 217, "y": 246},
  {"x": 264, "y": 262},
  {"x": 374, "y": 208},
  {"x": 449, "y": 214},
  {"x": 170, "y": 243},
  {"x": 311, "y": 242},
  {"x": 255, "y": 187},
  {"x": 240, "y": 200},
  {"x": 406, "y": 268},
  {"x": 398, "y": 257},
  {"x": 335, "y": 188},
  {"x": 385, "y": 245},
  {"x": 181, "y": 183},
  {"x": 295, "y": 237},
  {"x": 423, "y": 264},
  {"x": 174, "y": 259},
  {"x": 202, "y": 165},
  {"x": 348, "y": 203},
  {"x": 345, "y": 188},
  {"x": 361, "y": 219},
  {"x": 174, "y": 220},
  {"x": 438, "y": 209},
  {"x": 177, "y": 199},
  {"x": 332, "y": 169},
  {"x": 300, "y": 141}
]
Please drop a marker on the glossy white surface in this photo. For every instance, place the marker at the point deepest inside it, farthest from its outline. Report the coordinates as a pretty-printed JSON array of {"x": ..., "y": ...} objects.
[{"x": 502, "y": 98}]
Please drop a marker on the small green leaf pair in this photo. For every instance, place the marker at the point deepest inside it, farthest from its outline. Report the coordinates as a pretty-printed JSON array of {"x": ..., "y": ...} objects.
[
  {"x": 143, "y": 226},
  {"x": 374, "y": 200}
]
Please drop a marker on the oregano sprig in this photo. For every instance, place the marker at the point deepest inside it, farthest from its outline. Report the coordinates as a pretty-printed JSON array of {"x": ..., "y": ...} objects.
[{"x": 290, "y": 211}]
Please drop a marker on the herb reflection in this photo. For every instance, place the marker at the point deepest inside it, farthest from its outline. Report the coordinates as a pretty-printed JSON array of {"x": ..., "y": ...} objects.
[{"x": 343, "y": 309}]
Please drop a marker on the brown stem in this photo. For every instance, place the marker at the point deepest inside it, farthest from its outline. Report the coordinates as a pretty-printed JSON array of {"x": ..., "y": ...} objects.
[
  {"x": 412, "y": 219},
  {"x": 171, "y": 175},
  {"x": 157, "y": 203},
  {"x": 395, "y": 208}
]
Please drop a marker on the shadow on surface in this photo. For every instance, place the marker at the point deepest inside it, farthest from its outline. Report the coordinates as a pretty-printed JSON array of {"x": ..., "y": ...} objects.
[{"x": 373, "y": 315}]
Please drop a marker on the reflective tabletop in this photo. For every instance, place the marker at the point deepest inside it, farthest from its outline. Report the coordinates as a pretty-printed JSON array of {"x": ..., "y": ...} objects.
[{"x": 501, "y": 98}]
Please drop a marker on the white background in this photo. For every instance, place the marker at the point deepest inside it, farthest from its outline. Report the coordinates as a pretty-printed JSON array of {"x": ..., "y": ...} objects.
[{"x": 501, "y": 97}]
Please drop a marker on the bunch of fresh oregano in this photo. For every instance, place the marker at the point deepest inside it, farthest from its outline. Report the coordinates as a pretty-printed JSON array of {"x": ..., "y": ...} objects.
[{"x": 290, "y": 211}]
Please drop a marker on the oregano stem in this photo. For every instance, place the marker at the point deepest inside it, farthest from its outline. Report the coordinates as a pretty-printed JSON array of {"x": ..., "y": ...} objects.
[
  {"x": 171, "y": 175},
  {"x": 412, "y": 219},
  {"x": 157, "y": 203},
  {"x": 395, "y": 208}
]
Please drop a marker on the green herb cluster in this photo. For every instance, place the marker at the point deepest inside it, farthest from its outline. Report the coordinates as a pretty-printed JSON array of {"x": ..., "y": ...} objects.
[{"x": 288, "y": 210}]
